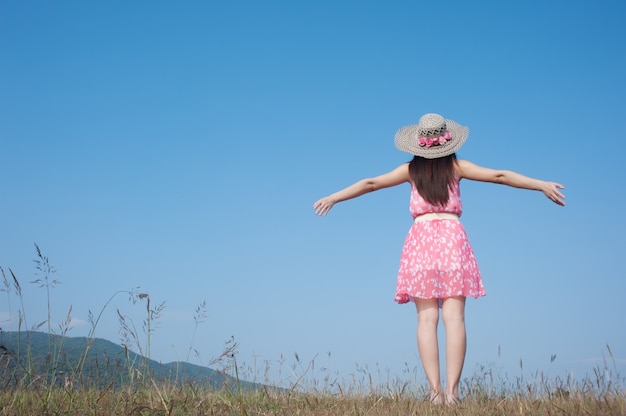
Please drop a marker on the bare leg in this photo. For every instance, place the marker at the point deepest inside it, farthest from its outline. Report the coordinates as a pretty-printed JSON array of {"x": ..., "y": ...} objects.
[
  {"x": 427, "y": 345},
  {"x": 453, "y": 313}
]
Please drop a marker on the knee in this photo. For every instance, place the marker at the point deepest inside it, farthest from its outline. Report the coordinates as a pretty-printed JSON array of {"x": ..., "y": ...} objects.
[
  {"x": 453, "y": 318},
  {"x": 428, "y": 317},
  {"x": 453, "y": 311}
]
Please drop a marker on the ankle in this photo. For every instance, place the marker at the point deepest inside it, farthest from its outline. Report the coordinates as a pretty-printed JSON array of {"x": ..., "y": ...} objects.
[{"x": 437, "y": 390}]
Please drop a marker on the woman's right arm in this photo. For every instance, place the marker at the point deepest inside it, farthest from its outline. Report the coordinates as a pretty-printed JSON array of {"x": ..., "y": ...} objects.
[
  {"x": 469, "y": 170},
  {"x": 395, "y": 177}
]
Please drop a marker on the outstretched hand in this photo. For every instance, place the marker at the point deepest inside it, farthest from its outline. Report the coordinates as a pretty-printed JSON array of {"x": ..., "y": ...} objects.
[
  {"x": 322, "y": 206},
  {"x": 551, "y": 190}
]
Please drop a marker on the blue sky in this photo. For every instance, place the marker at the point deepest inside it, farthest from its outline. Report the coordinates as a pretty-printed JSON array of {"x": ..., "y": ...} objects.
[{"x": 179, "y": 147}]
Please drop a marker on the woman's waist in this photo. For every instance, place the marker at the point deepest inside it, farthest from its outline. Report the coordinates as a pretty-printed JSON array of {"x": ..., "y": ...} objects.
[{"x": 429, "y": 216}]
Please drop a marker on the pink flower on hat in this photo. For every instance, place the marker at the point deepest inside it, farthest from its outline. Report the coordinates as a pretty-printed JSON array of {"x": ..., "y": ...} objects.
[{"x": 435, "y": 141}]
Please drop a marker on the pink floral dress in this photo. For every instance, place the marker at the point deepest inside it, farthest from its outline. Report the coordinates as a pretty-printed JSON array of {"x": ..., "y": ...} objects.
[{"x": 437, "y": 259}]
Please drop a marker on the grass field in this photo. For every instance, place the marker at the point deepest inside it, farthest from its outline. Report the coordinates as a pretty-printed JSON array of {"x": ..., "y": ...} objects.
[
  {"x": 146, "y": 398},
  {"x": 57, "y": 388}
]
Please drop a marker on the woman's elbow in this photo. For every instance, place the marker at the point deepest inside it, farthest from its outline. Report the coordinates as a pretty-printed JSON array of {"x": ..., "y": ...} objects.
[
  {"x": 500, "y": 178},
  {"x": 370, "y": 185},
  {"x": 510, "y": 178}
]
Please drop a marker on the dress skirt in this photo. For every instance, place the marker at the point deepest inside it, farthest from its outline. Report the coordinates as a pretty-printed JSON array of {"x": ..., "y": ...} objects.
[{"x": 437, "y": 262}]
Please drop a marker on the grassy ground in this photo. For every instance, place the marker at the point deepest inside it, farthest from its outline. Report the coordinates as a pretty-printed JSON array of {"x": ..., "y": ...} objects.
[
  {"x": 189, "y": 400},
  {"x": 24, "y": 391}
]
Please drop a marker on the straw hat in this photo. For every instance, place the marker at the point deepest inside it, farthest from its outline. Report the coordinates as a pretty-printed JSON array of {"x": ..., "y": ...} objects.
[{"x": 432, "y": 137}]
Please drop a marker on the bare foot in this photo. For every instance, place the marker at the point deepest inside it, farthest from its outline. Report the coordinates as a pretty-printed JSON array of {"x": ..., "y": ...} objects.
[
  {"x": 435, "y": 397},
  {"x": 452, "y": 400}
]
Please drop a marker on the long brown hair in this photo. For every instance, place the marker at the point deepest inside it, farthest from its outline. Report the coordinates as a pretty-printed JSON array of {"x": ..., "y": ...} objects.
[{"x": 433, "y": 177}]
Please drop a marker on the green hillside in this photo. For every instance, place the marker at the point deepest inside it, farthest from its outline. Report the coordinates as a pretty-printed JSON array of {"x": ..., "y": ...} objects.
[{"x": 29, "y": 357}]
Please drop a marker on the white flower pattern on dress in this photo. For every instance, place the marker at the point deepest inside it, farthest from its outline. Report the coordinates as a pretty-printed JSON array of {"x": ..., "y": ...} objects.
[{"x": 437, "y": 259}]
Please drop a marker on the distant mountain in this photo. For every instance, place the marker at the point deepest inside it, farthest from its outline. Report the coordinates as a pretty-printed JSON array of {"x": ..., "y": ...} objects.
[{"x": 94, "y": 363}]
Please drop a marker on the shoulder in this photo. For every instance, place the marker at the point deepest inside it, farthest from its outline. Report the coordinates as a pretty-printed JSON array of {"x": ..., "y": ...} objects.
[
  {"x": 401, "y": 172},
  {"x": 461, "y": 166},
  {"x": 403, "y": 167},
  {"x": 468, "y": 170},
  {"x": 394, "y": 177}
]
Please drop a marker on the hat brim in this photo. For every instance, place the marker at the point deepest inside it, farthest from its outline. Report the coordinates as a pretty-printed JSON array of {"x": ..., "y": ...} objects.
[{"x": 407, "y": 140}]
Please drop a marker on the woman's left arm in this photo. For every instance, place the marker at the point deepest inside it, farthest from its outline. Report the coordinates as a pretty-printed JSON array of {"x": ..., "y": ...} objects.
[{"x": 395, "y": 177}]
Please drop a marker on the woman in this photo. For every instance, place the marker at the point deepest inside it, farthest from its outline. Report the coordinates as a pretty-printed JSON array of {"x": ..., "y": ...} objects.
[{"x": 437, "y": 265}]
